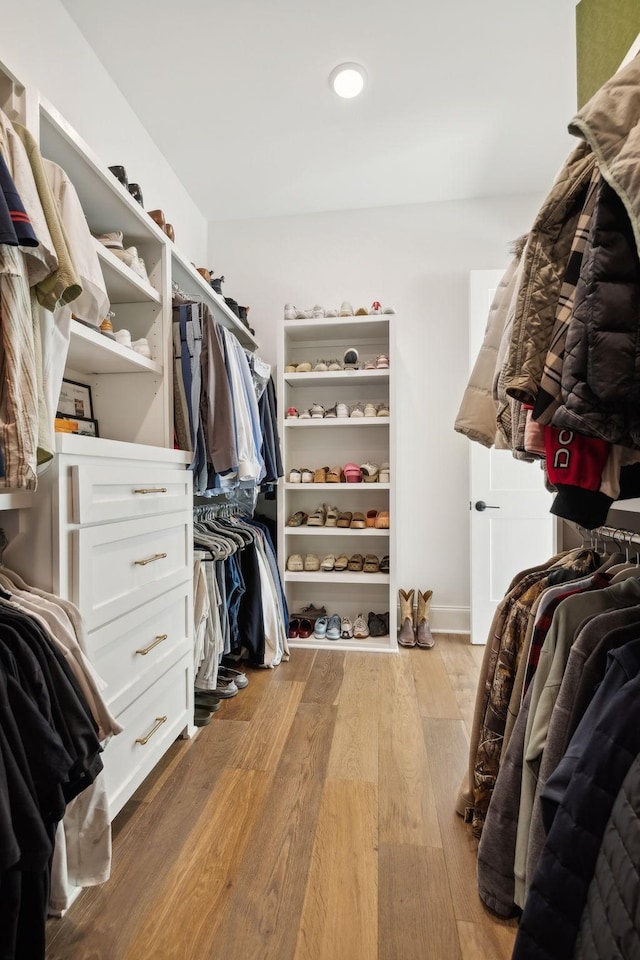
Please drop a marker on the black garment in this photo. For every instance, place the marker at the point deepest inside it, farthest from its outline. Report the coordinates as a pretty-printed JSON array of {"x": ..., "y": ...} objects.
[
  {"x": 554, "y": 906},
  {"x": 250, "y": 619}
]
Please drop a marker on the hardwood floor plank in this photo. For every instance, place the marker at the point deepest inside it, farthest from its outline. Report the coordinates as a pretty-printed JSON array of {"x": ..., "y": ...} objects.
[
  {"x": 101, "y": 924},
  {"x": 339, "y": 916},
  {"x": 261, "y": 922},
  {"x": 298, "y": 667},
  {"x": 447, "y": 748},
  {"x": 407, "y": 808},
  {"x": 462, "y": 661},
  {"x": 481, "y": 941},
  {"x": 436, "y": 696},
  {"x": 197, "y": 888},
  {"x": 244, "y": 705},
  {"x": 325, "y": 678},
  {"x": 306, "y": 752},
  {"x": 354, "y": 753},
  {"x": 261, "y": 748},
  {"x": 415, "y": 913}
]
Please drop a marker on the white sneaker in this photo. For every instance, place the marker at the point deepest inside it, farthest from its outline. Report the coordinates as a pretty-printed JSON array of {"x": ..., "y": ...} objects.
[
  {"x": 389, "y": 310},
  {"x": 360, "y": 628},
  {"x": 141, "y": 346},
  {"x": 123, "y": 337},
  {"x": 346, "y": 310},
  {"x": 303, "y": 314},
  {"x": 342, "y": 410},
  {"x": 289, "y": 311},
  {"x": 346, "y": 629},
  {"x": 112, "y": 241},
  {"x": 318, "y": 312},
  {"x": 331, "y": 313}
]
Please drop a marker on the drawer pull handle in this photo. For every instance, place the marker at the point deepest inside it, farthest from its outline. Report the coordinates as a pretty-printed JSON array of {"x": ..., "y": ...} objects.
[
  {"x": 144, "y": 740},
  {"x": 151, "y": 490},
  {"x": 156, "y": 556},
  {"x": 145, "y": 650}
]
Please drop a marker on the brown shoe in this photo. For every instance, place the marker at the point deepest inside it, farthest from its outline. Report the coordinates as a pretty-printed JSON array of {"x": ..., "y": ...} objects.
[
  {"x": 424, "y": 637},
  {"x": 406, "y": 635}
]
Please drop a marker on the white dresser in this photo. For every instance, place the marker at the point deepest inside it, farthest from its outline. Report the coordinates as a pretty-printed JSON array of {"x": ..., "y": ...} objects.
[{"x": 117, "y": 518}]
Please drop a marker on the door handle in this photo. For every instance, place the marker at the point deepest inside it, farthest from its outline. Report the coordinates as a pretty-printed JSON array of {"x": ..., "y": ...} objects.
[{"x": 481, "y": 505}]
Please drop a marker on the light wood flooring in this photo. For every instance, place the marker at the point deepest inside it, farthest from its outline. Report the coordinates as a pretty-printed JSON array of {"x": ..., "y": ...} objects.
[{"x": 312, "y": 820}]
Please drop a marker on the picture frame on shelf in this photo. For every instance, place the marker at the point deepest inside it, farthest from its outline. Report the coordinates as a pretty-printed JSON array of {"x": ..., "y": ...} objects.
[
  {"x": 83, "y": 426},
  {"x": 75, "y": 400}
]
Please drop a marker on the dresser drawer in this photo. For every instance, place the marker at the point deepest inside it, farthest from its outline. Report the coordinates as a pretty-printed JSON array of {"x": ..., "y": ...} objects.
[
  {"x": 115, "y": 493},
  {"x": 156, "y": 719},
  {"x": 120, "y": 566},
  {"x": 130, "y": 653}
]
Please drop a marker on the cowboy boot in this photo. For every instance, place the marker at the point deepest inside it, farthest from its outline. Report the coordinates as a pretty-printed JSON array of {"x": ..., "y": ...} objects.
[
  {"x": 406, "y": 636},
  {"x": 424, "y": 637}
]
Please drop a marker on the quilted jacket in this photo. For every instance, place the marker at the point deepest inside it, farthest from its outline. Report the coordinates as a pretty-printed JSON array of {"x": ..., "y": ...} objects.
[
  {"x": 476, "y": 417},
  {"x": 610, "y": 924},
  {"x": 601, "y": 370},
  {"x": 545, "y": 260}
]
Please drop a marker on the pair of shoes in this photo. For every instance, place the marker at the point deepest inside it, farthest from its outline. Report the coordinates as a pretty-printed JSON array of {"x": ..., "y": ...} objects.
[
  {"x": 352, "y": 473},
  {"x": 350, "y": 359},
  {"x": 415, "y": 630},
  {"x": 360, "y": 628},
  {"x": 378, "y": 519},
  {"x": 301, "y": 475},
  {"x": 311, "y": 612},
  {"x": 378, "y": 624},
  {"x": 303, "y": 367},
  {"x": 353, "y": 521},
  {"x": 296, "y": 564},
  {"x": 328, "y": 628},
  {"x": 240, "y": 678},
  {"x": 298, "y": 519},
  {"x": 300, "y": 627},
  {"x": 158, "y": 217}
]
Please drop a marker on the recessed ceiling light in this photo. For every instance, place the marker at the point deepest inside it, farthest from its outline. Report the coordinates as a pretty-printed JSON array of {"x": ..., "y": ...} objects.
[{"x": 348, "y": 80}]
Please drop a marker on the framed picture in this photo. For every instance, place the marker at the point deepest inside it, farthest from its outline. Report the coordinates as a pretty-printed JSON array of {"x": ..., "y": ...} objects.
[
  {"x": 75, "y": 400},
  {"x": 84, "y": 426}
]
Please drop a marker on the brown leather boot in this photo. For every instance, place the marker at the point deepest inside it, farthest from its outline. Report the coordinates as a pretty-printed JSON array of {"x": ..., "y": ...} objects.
[
  {"x": 424, "y": 637},
  {"x": 407, "y": 635}
]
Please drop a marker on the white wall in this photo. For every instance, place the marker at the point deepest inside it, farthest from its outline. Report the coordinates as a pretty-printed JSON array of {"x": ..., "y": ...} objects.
[
  {"x": 416, "y": 258},
  {"x": 44, "y": 48}
]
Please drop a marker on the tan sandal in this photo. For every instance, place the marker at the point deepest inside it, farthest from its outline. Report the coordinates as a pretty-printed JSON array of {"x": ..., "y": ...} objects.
[
  {"x": 358, "y": 521},
  {"x": 356, "y": 563},
  {"x": 334, "y": 475},
  {"x": 382, "y": 520},
  {"x": 342, "y": 562},
  {"x": 371, "y": 564},
  {"x": 344, "y": 520},
  {"x": 371, "y": 518},
  {"x": 320, "y": 475}
]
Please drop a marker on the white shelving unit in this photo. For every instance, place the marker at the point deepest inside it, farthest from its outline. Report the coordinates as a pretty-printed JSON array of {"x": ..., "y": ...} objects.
[{"x": 331, "y": 442}]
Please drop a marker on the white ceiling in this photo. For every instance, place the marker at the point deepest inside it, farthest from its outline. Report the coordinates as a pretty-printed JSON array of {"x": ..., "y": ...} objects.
[{"x": 465, "y": 98}]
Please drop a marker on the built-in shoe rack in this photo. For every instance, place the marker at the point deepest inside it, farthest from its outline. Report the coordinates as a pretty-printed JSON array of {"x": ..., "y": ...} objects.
[{"x": 331, "y": 442}]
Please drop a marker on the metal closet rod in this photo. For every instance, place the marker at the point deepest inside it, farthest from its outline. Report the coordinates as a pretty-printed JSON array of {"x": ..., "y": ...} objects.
[{"x": 617, "y": 534}]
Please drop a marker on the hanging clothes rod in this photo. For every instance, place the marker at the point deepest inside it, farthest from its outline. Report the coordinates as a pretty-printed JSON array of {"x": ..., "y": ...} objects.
[{"x": 619, "y": 536}]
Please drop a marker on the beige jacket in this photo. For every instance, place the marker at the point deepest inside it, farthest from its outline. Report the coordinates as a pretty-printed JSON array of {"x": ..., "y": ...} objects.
[
  {"x": 476, "y": 417},
  {"x": 610, "y": 124}
]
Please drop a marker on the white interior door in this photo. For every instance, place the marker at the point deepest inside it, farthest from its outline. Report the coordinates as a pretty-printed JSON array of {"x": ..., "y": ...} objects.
[{"x": 511, "y": 527}]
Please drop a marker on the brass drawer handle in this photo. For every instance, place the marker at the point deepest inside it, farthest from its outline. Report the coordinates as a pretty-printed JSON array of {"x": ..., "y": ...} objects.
[
  {"x": 145, "y": 650},
  {"x": 151, "y": 490},
  {"x": 144, "y": 740},
  {"x": 156, "y": 556}
]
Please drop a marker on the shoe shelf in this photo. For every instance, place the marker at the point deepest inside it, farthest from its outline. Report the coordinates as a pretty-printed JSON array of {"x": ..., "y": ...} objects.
[
  {"x": 295, "y": 422},
  {"x": 188, "y": 278},
  {"x": 338, "y": 328},
  {"x": 342, "y": 576},
  {"x": 106, "y": 203},
  {"x": 351, "y": 487},
  {"x": 363, "y": 378},
  {"x": 90, "y": 352},
  {"x": 123, "y": 285},
  {"x": 306, "y": 531},
  {"x": 311, "y": 443}
]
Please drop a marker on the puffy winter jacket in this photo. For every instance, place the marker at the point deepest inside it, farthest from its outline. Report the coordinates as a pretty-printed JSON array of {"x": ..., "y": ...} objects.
[
  {"x": 610, "y": 924},
  {"x": 545, "y": 261},
  {"x": 601, "y": 371},
  {"x": 476, "y": 417}
]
